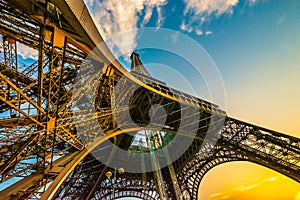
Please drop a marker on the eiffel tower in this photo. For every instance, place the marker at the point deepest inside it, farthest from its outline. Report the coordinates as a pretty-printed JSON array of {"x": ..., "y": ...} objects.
[{"x": 51, "y": 146}]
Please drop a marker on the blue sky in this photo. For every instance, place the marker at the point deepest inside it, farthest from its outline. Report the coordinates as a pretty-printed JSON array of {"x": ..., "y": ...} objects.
[
  {"x": 254, "y": 43},
  {"x": 256, "y": 47}
]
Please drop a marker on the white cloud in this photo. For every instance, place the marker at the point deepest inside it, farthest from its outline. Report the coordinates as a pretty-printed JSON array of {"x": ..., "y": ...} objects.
[
  {"x": 199, "y": 11},
  {"x": 185, "y": 27},
  {"x": 27, "y": 52},
  {"x": 147, "y": 16},
  {"x": 199, "y": 32},
  {"x": 208, "y": 32},
  {"x": 251, "y": 2},
  {"x": 160, "y": 18},
  {"x": 208, "y": 7},
  {"x": 238, "y": 189},
  {"x": 115, "y": 16}
]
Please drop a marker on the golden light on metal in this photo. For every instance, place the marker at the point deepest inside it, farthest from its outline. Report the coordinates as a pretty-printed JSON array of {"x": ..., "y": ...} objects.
[
  {"x": 108, "y": 174},
  {"x": 121, "y": 170}
]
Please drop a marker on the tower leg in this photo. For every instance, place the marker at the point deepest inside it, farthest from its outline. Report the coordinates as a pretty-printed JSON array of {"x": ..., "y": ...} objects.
[{"x": 175, "y": 182}]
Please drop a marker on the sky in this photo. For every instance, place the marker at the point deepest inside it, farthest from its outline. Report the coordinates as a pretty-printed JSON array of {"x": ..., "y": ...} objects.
[{"x": 255, "y": 45}]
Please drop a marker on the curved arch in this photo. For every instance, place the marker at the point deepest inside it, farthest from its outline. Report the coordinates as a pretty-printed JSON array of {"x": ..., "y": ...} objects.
[
  {"x": 57, "y": 182},
  {"x": 195, "y": 170},
  {"x": 132, "y": 186},
  {"x": 203, "y": 171},
  {"x": 219, "y": 156},
  {"x": 199, "y": 174},
  {"x": 127, "y": 193}
]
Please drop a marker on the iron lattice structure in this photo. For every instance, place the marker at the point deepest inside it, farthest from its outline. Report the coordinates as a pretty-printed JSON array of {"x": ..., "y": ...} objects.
[{"x": 44, "y": 156}]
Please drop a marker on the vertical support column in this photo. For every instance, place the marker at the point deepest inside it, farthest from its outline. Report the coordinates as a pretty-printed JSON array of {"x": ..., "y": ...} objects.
[
  {"x": 42, "y": 140},
  {"x": 41, "y": 68},
  {"x": 143, "y": 166},
  {"x": 59, "y": 94},
  {"x": 157, "y": 170},
  {"x": 175, "y": 182},
  {"x": 61, "y": 77},
  {"x": 10, "y": 60},
  {"x": 111, "y": 83},
  {"x": 173, "y": 178},
  {"x": 159, "y": 179},
  {"x": 10, "y": 52},
  {"x": 49, "y": 125},
  {"x": 50, "y": 72}
]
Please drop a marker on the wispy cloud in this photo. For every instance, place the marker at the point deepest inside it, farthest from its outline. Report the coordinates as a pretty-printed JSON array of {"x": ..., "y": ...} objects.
[
  {"x": 208, "y": 32},
  {"x": 199, "y": 32},
  {"x": 184, "y": 27},
  {"x": 115, "y": 16},
  {"x": 27, "y": 52},
  {"x": 238, "y": 189},
  {"x": 281, "y": 19},
  {"x": 252, "y": 2},
  {"x": 198, "y": 12},
  {"x": 160, "y": 17},
  {"x": 203, "y": 7}
]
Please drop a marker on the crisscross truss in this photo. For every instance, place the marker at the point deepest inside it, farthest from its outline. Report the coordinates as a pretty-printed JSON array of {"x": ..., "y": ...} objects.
[
  {"x": 53, "y": 108},
  {"x": 90, "y": 169}
]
